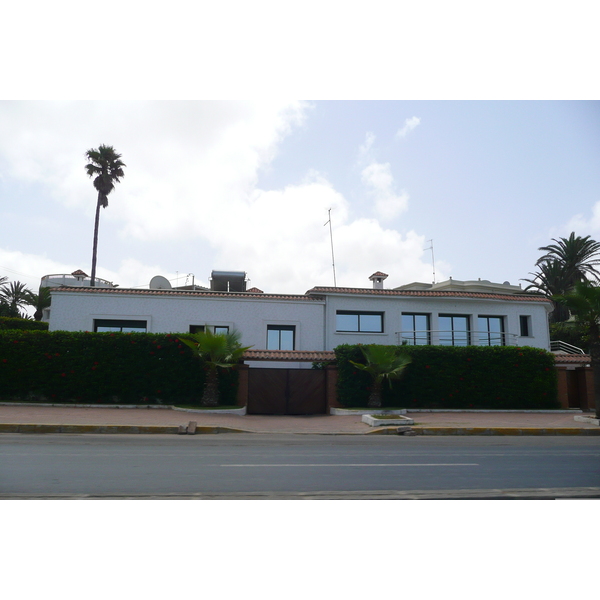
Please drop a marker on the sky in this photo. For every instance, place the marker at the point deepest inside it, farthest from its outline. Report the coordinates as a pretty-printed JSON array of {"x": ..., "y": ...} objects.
[{"x": 248, "y": 185}]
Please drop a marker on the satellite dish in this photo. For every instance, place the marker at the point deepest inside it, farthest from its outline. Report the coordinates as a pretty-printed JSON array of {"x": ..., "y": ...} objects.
[{"x": 158, "y": 282}]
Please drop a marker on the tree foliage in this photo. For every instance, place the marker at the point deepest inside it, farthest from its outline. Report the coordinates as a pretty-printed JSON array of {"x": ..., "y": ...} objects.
[
  {"x": 384, "y": 363},
  {"x": 106, "y": 167},
  {"x": 565, "y": 263},
  {"x": 584, "y": 302},
  {"x": 216, "y": 351}
]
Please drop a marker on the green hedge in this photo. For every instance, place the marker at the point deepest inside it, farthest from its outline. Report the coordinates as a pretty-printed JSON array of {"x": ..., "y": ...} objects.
[
  {"x": 7, "y": 323},
  {"x": 471, "y": 377},
  {"x": 82, "y": 367}
]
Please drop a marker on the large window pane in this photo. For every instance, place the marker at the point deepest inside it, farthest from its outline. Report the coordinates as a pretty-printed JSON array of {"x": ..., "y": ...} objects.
[
  {"x": 445, "y": 324},
  {"x": 125, "y": 325},
  {"x": 415, "y": 329},
  {"x": 370, "y": 323},
  {"x": 365, "y": 322},
  {"x": 491, "y": 331},
  {"x": 346, "y": 322},
  {"x": 286, "y": 340},
  {"x": 454, "y": 330},
  {"x": 281, "y": 337}
]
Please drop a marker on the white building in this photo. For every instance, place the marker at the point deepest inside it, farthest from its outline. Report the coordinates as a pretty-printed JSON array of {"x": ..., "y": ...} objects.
[{"x": 448, "y": 313}]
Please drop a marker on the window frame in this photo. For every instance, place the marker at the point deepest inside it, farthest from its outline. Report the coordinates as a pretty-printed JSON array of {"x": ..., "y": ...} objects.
[
  {"x": 213, "y": 328},
  {"x": 527, "y": 320},
  {"x": 488, "y": 333},
  {"x": 279, "y": 329},
  {"x": 403, "y": 335},
  {"x": 125, "y": 323},
  {"x": 452, "y": 331},
  {"x": 359, "y": 314}
]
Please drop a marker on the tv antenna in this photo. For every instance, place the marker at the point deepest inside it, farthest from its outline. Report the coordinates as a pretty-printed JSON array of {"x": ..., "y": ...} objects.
[
  {"x": 432, "y": 258},
  {"x": 331, "y": 238}
]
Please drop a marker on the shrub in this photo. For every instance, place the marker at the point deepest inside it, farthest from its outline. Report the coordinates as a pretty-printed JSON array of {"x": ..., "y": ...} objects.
[
  {"x": 7, "y": 323},
  {"x": 506, "y": 377},
  {"x": 128, "y": 368},
  {"x": 571, "y": 333}
]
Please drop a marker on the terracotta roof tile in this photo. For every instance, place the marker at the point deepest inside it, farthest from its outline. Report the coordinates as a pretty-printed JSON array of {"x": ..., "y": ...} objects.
[
  {"x": 79, "y": 272},
  {"x": 573, "y": 358},
  {"x": 426, "y": 293},
  {"x": 289, "y": 355},
  {"x": 378, "y": 274},
  {"x": 176, "y": 292}
]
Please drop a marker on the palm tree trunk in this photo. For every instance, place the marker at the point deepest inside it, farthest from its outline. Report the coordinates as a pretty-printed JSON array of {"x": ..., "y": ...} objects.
[
  {"x": 375, "y": 395},
  {"x": 210, "y": 396},
  {"x": 95, "y": 245},
  {"x": 595, "y": 356}
]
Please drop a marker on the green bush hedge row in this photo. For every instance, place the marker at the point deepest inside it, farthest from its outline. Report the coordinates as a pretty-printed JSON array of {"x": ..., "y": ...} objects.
[
  {"x": 471, "y": 377},
  {"x": 82, "y": 367},
  {"x": 24, "y": 324}
]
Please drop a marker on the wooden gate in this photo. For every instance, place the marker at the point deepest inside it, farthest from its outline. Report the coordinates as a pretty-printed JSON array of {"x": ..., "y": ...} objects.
[{"x": 286, "y": 392}]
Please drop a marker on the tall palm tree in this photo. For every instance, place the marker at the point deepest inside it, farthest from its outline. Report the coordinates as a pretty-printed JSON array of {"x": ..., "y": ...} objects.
[
  {"x": 215, "y": 350},
  {"x": 383, "y": 362},
  {"x": 14, "y": 296},
  {"x": 576, "y": 255},
  {"x": 107, "y": 167},
  {"x": 584, "y": 301}
]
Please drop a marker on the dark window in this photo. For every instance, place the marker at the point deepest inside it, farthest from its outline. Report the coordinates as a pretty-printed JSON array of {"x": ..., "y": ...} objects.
[
  {"x": 281, "y": 337},
  {"x": 525, "y": 324},
  {"x": 415, "y": 329},
  {"x": 363, "y": 322},
  {"x": 119, "y": 325},
  {"x": 454, "y": 330},
  {"x": 218, "y": 329},
  {"x": 491, "y": 331}
]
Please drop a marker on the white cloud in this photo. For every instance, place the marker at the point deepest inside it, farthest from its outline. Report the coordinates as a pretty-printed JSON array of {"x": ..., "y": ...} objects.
[
  {"x": 582, "y": 226},
  {"x": 409, "y": 125},
  {"x": 364, "y": 151},
  {"x": 190, "y": 195},
  {"x": 379, "y": 181}
]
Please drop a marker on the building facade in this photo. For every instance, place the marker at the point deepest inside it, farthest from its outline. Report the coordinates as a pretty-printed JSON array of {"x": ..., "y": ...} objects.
[{"x": 448, "y": 313}]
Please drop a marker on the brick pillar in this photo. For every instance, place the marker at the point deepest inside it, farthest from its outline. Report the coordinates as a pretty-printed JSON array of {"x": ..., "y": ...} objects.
[
  {"x": 242, "y": 393},
  {"x": 331, "y": 377},
  {"x": 563, "y": 388},
  {"x": 587, "y": 384}
]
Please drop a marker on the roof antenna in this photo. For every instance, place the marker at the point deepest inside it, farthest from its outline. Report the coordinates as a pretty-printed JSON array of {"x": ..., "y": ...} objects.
[
  {"x": 332, "y": 257},
  {"x": 432, "y": 258}
]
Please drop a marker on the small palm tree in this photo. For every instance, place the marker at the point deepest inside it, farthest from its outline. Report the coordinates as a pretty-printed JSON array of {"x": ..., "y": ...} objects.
[
  {"x": 222, "y": 350},
  {"x": 383, "y": 363},
  {"x": 584, "y": 302},
  {"x": 14, "y": 296},
  {"x": 107, "y": 167},
  {"x": 39, "y": 301}
]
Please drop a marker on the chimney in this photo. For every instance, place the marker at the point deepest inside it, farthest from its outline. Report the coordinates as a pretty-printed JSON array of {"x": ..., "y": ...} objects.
[{"x": 377, "y": 279}]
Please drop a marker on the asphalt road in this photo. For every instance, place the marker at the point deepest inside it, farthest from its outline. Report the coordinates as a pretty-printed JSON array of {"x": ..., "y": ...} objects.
[{"x": 297, "y": 466}]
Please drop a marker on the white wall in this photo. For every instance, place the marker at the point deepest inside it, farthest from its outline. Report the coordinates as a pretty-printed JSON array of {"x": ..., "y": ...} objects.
[
  {"x": 76, "y": 311},
  {"x": 393, "y": 307}
]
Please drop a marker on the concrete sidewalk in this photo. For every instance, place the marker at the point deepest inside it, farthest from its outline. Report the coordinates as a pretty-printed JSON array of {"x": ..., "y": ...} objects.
[{"x": 66, "y": 419}]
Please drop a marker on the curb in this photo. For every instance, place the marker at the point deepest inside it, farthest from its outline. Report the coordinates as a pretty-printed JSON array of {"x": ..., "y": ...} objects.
[
  {"x": 157, "y": 429},
  {"x": 81, "y": 429},
  {"x": 514, "y": 431}
]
